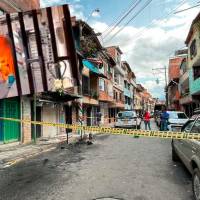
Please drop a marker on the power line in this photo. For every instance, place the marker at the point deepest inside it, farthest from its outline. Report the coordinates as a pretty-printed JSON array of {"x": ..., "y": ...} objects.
[
  {"x": 127, "y": 13},
  {"x": 120, "y": 16},
  {"x": 146, "y": 4},
  {"x": 187, "y": 9},
  {"x": 140, "y": 33}
]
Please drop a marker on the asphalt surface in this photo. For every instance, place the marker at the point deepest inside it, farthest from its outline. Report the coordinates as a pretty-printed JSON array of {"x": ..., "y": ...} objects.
[{"x": 120, "y": 167}]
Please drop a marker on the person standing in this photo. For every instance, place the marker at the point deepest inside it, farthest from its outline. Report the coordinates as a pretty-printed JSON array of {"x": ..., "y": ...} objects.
[
  {"x": 147, "y": 118},
  {"x": 164, "y": 117}
]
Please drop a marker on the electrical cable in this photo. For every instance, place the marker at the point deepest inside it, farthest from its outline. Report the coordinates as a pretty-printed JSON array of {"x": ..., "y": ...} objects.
[
  {"x": 187, "y": 9},
  {"x": 124, "y": 17},
  {"x": 141, "y": 32},
  {"x": 120, "y": 16},
  {"x": 146, "y": 4}
]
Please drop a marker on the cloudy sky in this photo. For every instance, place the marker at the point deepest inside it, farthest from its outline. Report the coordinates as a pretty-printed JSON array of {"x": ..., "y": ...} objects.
[{"x": 148, "y": 40}]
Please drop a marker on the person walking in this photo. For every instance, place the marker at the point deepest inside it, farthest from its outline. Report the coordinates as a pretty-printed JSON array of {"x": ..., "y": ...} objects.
[
  {"x": 164, "y": 117},
  {"x": 147, "y": 118}
]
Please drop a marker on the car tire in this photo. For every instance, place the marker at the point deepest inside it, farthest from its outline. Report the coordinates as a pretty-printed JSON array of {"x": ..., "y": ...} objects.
[
  {"x": 175, "y": 157},
  {"x": 196, "y": 184}
]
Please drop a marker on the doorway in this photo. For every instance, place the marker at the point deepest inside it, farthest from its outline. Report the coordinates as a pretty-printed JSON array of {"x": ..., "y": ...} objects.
[
  {"x": 38, "y": 118},
  {"x": 68, "y": 117}
]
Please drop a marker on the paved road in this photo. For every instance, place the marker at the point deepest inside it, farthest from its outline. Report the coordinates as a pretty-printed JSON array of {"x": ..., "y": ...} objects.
[
  {"x": 152, "y": 124},
  {"x": 114, "y": 166}
]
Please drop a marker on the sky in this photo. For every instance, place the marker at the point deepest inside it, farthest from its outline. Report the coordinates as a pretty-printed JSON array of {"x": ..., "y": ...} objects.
[{"x": 148, "y": 40}]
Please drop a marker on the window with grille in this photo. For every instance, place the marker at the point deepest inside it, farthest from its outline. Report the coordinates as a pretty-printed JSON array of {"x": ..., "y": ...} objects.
[{"x": 193, "y": 49}]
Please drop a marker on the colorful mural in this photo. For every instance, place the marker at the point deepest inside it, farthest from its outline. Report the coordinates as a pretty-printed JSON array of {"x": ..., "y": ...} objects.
[{"x": 7, "y": 71}]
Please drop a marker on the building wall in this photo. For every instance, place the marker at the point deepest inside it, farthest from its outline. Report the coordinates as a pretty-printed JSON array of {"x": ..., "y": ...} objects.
[
  {"x": 50, "y": 114},
  {"x": 196, "y": 35},
  {"x": 174, "y": 68},
  {"x": 105, "y": 115},
  {"x": 19, "y": 5},
  {"x": 26, "y": 115}
]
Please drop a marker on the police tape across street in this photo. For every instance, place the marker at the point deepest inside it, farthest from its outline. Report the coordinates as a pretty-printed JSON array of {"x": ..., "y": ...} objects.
[{"x": 114, "y": 131}]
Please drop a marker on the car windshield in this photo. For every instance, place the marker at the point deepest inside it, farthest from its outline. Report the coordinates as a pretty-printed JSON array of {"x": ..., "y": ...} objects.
[
  {"x": 176, "y": 115},
  {"x": 196, "y": 127},
  {"x": 126, "y": 114}
]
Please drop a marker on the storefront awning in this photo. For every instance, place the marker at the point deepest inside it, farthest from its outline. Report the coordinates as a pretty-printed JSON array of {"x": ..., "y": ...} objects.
[{"x": 93, "y": 68}]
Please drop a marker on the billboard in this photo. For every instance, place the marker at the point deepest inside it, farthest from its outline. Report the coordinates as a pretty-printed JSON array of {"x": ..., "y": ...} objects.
[{"x": 37, "y": 52}]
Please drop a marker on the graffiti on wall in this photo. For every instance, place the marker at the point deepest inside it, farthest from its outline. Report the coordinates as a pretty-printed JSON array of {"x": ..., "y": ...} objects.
[
  {"x": 34, "y": 52},
  {"x": 7, "y": 71}
]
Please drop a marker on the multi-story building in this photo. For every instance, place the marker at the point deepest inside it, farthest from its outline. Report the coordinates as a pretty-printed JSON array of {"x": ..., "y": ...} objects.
[
  {"x": 193, "y": 44},
  {"x": 128, "y": 85},
  {"x": 173, "y": 77},
  {"x": 138, "y": 99},
  {"x": 90, "y": 48},
  {"x": 39, "y": 71},
  {"x": 186, "y": 101},
  {"x": 118, "y": 102}
]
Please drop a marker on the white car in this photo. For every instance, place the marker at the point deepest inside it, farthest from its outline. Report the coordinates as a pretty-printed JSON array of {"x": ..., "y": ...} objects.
[
  {"x": 176, "y": 120},
  {"x": 128, "y": 119}
]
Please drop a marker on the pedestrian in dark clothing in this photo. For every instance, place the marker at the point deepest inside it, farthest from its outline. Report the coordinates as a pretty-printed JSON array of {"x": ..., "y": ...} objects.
[
  {"x": 147, "y": 118},
  {"x": 164, "y": 117}
]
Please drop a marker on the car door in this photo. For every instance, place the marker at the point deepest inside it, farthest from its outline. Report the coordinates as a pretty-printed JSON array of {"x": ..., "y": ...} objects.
[
  {"x": 195, "y": 145},
  {"x": 184, "y": 147}
]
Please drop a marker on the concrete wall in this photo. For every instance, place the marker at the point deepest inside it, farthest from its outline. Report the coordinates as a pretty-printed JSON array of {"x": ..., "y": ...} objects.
[
  {"x": 104, "y": 112},
  {"x": 50, "y": 114},
  {"x": 25, "y": 115},
  {"x": 196, "y": 35}
]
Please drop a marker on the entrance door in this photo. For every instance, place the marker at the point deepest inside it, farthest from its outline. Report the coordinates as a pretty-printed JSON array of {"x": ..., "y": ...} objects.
[
  {"x": 11, "y": 130},
  {"x": 1, "y": 121},
  {"x": 89, "y": 110},
  {"x": 38, "y": 118},
  {"x": 68, "y": 117}
]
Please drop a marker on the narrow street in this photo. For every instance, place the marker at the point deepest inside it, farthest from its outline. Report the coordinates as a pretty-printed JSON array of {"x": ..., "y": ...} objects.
[{"x": 114, "y": 166}]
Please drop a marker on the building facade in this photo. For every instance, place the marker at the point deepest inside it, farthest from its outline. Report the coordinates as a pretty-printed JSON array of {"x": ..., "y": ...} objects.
[
  {"x": 173, "y": 77},
  {"x": 38, "y": 78},
  {"x": 193, "y": 44}
]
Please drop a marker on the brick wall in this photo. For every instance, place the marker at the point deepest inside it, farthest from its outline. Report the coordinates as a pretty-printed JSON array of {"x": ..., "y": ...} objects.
[
  {"x": 16, "y": 5},
  {"x": 111, "y": 51},
  {"x": 174, "y": 68},
  {"x": 26, "y": 115}
]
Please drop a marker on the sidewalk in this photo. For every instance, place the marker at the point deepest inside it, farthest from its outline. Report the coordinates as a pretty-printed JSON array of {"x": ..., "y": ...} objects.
[{"x": 13, "y": 153}]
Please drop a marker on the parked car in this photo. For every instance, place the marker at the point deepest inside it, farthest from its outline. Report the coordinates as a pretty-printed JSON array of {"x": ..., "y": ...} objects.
[
  {"x": 128, "y": 119},
  {"x": 176, "y": 120},
  {"x": 188, "y": 151}
]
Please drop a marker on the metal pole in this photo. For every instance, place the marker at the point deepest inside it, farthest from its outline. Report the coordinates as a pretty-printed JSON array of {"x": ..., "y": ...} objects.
[
  {"x": 34, "y": 105},
  {"x": 166, "y": 88}
]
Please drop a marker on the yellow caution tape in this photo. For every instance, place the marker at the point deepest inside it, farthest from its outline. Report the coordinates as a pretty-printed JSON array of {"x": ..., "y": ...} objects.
[{"x": 115, "y": 131}]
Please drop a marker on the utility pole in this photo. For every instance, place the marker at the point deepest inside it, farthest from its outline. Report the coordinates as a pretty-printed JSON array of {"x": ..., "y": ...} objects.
[
  {"x": 160, "y": 70},
  {"x": 166, "y": 87}
]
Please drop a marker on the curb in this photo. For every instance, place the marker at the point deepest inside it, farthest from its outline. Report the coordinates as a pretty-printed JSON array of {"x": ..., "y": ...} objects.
[
  {"x": 18, "y": 160},
  {"x": 51, "y": 147}
]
